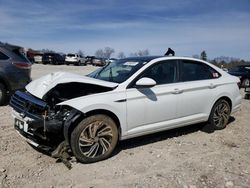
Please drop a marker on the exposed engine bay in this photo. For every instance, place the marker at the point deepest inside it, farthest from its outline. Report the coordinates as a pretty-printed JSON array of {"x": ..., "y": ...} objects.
[{"x": 67, "y": 91}]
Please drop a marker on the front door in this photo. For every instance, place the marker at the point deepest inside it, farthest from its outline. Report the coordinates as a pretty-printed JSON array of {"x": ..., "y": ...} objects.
[{"x": 153, "y": 105}]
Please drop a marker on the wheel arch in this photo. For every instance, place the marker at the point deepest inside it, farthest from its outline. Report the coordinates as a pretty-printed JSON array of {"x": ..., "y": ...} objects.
[
  {"x": 108, "y": 113},
  {"x": 77, "y": 117},
  {"x": 226, "y": 98},
  {"x": 5, "y": 83}
]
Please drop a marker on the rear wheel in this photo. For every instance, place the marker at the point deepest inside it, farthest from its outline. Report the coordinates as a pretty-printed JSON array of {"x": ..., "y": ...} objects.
[
  {"x": 219, "y": 115},
  {"x": 246, "y": 82},
  {"x": 94, "y": 139},
  {"x": 3, "y": 94}
]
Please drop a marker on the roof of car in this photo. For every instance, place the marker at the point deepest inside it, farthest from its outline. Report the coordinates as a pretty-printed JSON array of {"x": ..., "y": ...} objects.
[
  {"x": 142, "y": 58},
  {"x": 149, "y": 58},
  {"x": 9, "y": 46}
]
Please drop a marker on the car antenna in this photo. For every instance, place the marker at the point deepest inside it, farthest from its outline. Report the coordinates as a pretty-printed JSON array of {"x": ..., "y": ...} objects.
[{"x": 170, "y": 51}]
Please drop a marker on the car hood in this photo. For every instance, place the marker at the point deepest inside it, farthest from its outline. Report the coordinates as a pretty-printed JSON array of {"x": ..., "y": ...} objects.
[{"x": 40, "y": 87}]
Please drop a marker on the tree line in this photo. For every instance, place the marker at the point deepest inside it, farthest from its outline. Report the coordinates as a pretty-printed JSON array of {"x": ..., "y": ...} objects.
[
  {"x": 107, "y": 52},
  {"x": 223, "y": 61}
]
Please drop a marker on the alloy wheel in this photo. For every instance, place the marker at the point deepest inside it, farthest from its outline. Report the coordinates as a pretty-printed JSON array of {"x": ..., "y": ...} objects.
[
  {"x": 95, "y": 140},
  {"x": 221, "y": 114}
]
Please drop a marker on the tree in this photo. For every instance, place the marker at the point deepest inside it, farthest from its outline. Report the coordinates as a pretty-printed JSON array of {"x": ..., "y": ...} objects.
[
  {"x": 108, "y": 51},
  {"x": 140, "y": 53},
  {"x": 195, "y": 56},
  {"x": 203, "y": 55},
  {"x": 121, "y": 55},
  {"x": 81, "y": 53},
  {"x": 143, "y": 52},
  {"x": 99, "y": 53},
  {"x": 47, "y": 51},
  {"x": 104, "y": 53}
]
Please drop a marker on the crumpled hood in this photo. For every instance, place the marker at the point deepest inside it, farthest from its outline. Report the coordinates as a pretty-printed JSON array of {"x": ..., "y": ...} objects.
[{"x": 43, "y": 85}]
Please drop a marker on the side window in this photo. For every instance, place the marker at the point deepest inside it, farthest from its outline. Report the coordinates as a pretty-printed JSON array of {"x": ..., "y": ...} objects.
[
  {"x": 3, "y": 56},
  {"x": 164, "y": 72},
  {"x": 192, "y": 70}
]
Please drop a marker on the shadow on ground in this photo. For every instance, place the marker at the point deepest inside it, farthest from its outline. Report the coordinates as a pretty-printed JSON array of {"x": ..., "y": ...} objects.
[
  {"x": 152, "y": 138},
  {"x": 164, "y": 135}
]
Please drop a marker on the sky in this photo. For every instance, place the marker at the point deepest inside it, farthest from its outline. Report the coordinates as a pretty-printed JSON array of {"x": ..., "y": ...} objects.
[{"x": 221, "y": 27}]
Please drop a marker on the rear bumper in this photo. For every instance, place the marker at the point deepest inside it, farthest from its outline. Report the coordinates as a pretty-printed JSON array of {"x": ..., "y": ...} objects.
[
  {"x": 236, "y": 103},
  {"x": 235, "y": 109}
]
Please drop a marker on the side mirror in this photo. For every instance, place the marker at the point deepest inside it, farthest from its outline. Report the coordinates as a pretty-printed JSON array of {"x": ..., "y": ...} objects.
[{"x": 145, "y": 82}]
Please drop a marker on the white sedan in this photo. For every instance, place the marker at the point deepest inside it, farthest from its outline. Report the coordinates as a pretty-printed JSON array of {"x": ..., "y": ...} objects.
[{"x": 127, "y": 98}]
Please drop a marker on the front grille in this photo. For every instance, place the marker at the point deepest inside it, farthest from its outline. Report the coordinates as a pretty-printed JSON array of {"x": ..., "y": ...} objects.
[{"x": 28, "y": 105}]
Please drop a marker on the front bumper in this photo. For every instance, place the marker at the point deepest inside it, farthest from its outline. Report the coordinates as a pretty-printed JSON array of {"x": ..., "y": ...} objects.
[{"x": 30, "y": 121}]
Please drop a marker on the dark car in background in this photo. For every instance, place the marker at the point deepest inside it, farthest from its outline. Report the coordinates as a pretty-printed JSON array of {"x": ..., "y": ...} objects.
[
  {"x": 243, "y": 72},
  {"x": 99, "y": 61},
  {"x": 15, "y": 70},
  {"x": 52, "y": 58}
]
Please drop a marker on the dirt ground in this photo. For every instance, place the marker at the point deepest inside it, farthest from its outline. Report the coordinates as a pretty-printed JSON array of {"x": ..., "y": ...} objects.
[{"x": 182, "y": 158}]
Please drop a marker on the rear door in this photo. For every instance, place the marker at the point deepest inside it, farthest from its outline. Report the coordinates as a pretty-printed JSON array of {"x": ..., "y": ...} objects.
[{"x": 197, "y": 88}]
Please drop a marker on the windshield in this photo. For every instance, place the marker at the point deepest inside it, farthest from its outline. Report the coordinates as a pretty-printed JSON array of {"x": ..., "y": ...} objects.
[{"x": 119, "y": 70}]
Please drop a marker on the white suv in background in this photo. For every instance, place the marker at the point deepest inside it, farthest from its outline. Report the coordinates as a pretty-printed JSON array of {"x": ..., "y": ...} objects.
[{"x": 75, "y": 59}]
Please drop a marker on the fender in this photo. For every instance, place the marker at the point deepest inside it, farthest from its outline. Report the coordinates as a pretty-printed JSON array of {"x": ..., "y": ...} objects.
[
  {"x": 114, "y": 102},
  {"x": 71, "y": 120}
]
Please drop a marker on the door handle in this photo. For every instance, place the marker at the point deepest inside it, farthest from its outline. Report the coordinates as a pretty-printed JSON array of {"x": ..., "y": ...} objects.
[
  {"x": 212, "y": 86},
  {"x": 177, "y": 91}
]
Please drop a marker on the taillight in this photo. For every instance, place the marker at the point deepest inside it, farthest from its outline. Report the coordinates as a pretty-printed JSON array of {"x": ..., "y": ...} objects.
[
  {"x": 239, "y": 84},
  {"x": 22, "y": 65}
]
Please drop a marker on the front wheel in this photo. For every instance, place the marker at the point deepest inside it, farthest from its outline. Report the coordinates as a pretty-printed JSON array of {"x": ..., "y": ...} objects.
[
  {"x": 94, "y": 139},
  {"x": 219, "y": 115}
]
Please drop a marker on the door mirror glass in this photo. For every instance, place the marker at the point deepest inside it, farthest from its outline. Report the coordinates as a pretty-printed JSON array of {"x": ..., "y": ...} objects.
[{"x": 145, "y": 82}]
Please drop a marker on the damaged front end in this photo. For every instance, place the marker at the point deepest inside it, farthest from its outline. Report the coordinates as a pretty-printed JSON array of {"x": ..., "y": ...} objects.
[
  {"x": 41, "y": 120},
  {"x": 41, "y": 125}
]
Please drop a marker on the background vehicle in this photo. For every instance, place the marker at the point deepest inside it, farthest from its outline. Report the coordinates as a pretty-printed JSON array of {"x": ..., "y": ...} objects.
[
  {"x": 15, "y": 70},
  {"x": 99, "y": 62},
  {"x": 127, "y": 98},
  {"x": 75, "y": 59},
  {"x": 52, "y": 58},
  {"x": 89, "y": 59},
  {"x": 38, "y": 58},
  {"x": 243, "y": 72}
]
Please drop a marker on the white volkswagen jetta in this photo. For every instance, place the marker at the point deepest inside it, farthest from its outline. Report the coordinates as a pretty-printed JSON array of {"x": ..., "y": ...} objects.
[{"x": 127, "y": 98}]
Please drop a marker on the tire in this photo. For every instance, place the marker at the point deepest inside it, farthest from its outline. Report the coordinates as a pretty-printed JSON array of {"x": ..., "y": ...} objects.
[
  {"x": 219, "y": 115},
  {"x": 247, "y": 96},
  {"x": 3, "y": 94},
  {"x": 77, "y": 63},
  {"x": 94, "y": 139},
  {"x": 246, "y": 82}
]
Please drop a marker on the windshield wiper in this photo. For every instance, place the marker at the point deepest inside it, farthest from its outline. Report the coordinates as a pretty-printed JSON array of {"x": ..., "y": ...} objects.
[
  {"x": 102, "y": 69},
  {"x": 110, "y": 74}
]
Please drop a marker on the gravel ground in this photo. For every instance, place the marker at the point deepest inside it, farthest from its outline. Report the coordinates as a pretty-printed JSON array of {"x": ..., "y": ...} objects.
[{"x": 183, "y": 158}]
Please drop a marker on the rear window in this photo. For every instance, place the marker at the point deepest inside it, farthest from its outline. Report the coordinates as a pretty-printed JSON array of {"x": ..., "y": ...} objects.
[
  {"x": 19, "y": 53},
  {"x": 3, "y": 56},
  {"x": 192, "y": 71},
  {"x": 48, "y": 55},
  {"x": 71, "y": 55}
]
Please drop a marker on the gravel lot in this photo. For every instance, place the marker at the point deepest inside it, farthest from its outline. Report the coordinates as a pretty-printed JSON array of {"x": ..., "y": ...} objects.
[{"x": 186, "y": 157}]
